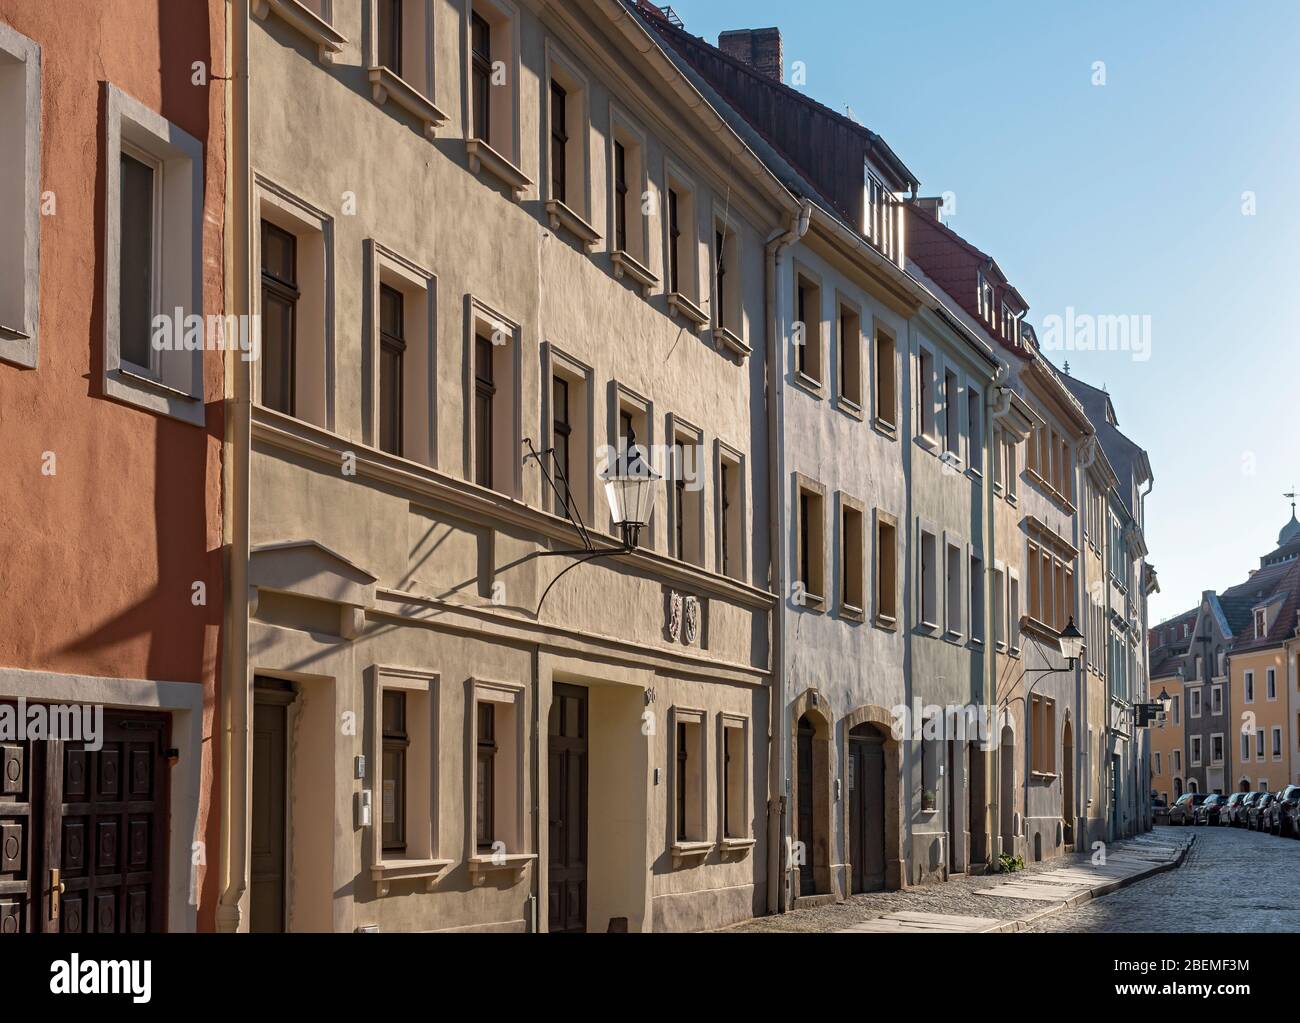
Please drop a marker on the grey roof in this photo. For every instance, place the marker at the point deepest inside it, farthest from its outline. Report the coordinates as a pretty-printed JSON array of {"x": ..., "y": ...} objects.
[{"x": 1126, "y": 457}]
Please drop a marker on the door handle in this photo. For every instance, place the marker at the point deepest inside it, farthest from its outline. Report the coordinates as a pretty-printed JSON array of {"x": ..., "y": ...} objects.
[{"x": 57, "y": 888}]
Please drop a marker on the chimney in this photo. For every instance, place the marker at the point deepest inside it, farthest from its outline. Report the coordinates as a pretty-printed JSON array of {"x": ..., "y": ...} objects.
[
  {"x": 931, "y": 206},
  {"x": 759, "y": 48}
]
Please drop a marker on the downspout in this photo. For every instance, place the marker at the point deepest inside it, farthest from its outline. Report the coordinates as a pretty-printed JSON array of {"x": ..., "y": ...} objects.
[
  {"x": 1083, "y": 790},
  {"x": 235, "y": 529},
  {"x": 998, "y": 410},
  {"x": 777, "y": 768}
]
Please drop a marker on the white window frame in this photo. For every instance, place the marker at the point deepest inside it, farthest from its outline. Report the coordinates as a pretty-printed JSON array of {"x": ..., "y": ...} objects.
[
  {"x": 1222, "y": 749},
  {"x": 1270, "y": 684},
  {"x": 20, "y": 217},
  {"x": 173, "y": 386},
  {"x": 1276, "y": 745},
  {"x": 1196, "y": 750}
]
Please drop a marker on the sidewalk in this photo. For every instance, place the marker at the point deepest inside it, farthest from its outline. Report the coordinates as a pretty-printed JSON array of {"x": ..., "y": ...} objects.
[{"x": 993, "y": 902}]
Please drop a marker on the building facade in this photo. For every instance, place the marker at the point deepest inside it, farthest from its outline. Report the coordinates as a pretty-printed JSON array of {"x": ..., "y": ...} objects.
[{"x": 111, "y": 590}]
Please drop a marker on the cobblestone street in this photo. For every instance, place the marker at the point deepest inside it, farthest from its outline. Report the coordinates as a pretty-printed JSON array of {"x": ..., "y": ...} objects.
[{"x": 1231, "y": 880}]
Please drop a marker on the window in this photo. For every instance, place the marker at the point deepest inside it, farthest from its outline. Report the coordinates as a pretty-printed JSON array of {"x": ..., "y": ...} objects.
[
  {"x": 392, "y": 350},
  {"x": 1176, "y": 707},
  {"x": 154, "y": 177},
  {"x": 570, "y": 419},
  {"x": 731, "y": 512},
  {"x": 1245, "y": 746},
  {"x": 567, "y": 128},
  {"x": 1200, "y": 668},
  {"x": 1156, "y": 760},
  {"x": 852, "y": 565},
  {"x": 396, "y": 742},
  {"x": 1043, "y": 737},
  {"x": 295, "y": 304},
  {"x": 20, "y": 191},
  {"x": 1178, "y": 761},
  {"x": 953, "y": 589},
  {"x": 976, "y": 598},
  {"x": 688, "y": 775},
  {"x": 1013, "y": 597},
  {"x": 1216, "y": 699},
  {"x": 1271, "y": 685},
  {"x": 975, "y": 430},
  {"x": 849, "y": 347},
  {"x": 681, "y": 247},
  {"x": 491, "y": 89},
  {"x": 929, "y": 576},
  {"x": 811, "y": 542},
  {"x": 886, "y": 378},
  {"x": 401, "y": 59},
  {"x": 498, "y": 759},
  {"x": 1196, "y": 750},
  {"x": 495, "y": 433},
  {"x": 1277, "y": 743},
  {"x": 686, "y": 493},
  {"x": 629, "y": 187},
  {"x": 925, "y": 394},
  {"x": 727, "y": 282},
  {"x": 1259, "y": 744},
  {"x": 735, "y": 777},
  {"x": 1248, "y": 686},
  {"x": 1013, "y": 470},
  {"x": 999, "y": 607},
  {"x": 1261, "y": 623},
  {"x": 1216, "y": 748},
  {"x": 808, "y": 328},
  {"x": 952, "y": 414},
  {"x": 633, "y": 427},
  {"x": 406, "y": 773},
  {"x": 559, "y": 142},
  {"x": 996, "y": 447},
  {"x": 886, "y": 569}
]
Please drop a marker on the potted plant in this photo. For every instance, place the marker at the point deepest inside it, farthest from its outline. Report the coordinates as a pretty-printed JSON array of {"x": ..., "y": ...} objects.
[{"x": 927, "y": 800}]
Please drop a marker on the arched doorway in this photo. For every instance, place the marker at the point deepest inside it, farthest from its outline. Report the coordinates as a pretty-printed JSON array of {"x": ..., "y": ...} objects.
[
  {"x": 812, "y": 764},
  {"x": 1007, "y": 798},
  {"x": 1192, "y": 785},
  {"x": 1067, "y": 781},
  {"x": 1244, "y": 785},
  {"x": 1178, "y": 787},
  {"x": 866, "y": 794}
]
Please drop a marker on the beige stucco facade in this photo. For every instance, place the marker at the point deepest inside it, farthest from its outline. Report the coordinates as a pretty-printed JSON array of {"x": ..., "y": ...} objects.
[
  {"x": 418, "y": 576},
  {"x": 1259, "y": 745}
]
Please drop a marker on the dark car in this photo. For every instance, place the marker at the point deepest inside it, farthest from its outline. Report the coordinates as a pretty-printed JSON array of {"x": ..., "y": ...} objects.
[
  {"x": 1257, "y": 815},
  {"x": 1240, "y": 814},
  {"x": 1281, "y": 811},
  {"x": 1228, "y": 815},
  {"x": 1181, "y": 811},
  {"x": 1210, "y": 811}
]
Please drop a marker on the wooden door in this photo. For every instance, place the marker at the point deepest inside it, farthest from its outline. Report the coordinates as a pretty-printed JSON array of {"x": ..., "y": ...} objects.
[
  {"x": 950, "y": 811},
  {"x": 266, "y": 880},
  {"x": 807, "y": 880},
  {"x": 106, "y": 826},
  {"x": 867, "y": 810},
  {"x": 20, "y": 831},
  {"x": 567, "y": 809}
]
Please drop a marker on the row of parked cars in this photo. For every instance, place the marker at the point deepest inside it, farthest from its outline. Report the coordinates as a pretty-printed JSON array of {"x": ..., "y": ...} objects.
[{"x": 1275, "y": 812}]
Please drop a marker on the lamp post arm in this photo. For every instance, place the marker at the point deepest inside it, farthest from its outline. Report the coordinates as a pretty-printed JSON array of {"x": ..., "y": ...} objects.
[
  {"x": 566, "y": 500},
  {"x": 583, "y": 558}
]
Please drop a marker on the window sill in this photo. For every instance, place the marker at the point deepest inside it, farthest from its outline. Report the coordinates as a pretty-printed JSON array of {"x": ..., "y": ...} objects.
[
  {"x": 690, "y": 852},
  {"x": 853, "y": 612},
  {"x": 737, "y": 848},
  {"x": 384, "y": 85},
  {"x": 931, "y": 812},
  {"x": 810, "y": 384},
  {"x": 1048, "y": 776},
  {"x": 930, "y": 444},
  {"x": 17, "y": 347},
  {"x": 736, "y": 345},
  {"x": 887, "y": 622},
  {"x": 849, "y": 407},
  {"x": 680, "y": 305},
  {"x": 626, "y": 265},
  {"x": 927, "y": 626},
  {"x": 387, "y": 871},
  {"x": 134, "y": 388},
  {"x": 812, "y": 602},
  {"x": 562, "y": 216},
  {"x": 953, "y": 637},
  {"x": 885, "y": 427},
  {"x": 513, "y": 863},
  {"x": 483, "y": 157},
  {"x": 328, "y": 41}
]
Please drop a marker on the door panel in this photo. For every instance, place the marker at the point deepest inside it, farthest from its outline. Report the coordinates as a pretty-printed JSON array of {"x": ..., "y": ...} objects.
[
  {"x": 807, "y": 882},
  {"x": 567, "y": 810},
  {"x": 267, "y": 843},
  {"x": 867, "y": 812},
  {"x": 19, "y": 831}
]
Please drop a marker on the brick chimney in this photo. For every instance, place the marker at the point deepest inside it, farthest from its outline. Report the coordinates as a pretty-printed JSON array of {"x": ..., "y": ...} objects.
[{"x": 760, "y": 48}]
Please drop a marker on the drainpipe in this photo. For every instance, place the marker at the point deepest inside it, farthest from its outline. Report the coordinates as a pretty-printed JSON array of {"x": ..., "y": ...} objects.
[
  {"x": 235, "y": 521},
  {"x": 999, "y": 402},
  {"x": 1083, "y": 789},
  {"x": 777, "y": 768}
]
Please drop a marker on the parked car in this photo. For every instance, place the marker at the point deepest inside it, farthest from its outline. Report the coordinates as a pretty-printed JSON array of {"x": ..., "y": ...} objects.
[
  {"x": 1228, "y": 815},
  {"x": 1210, "y": 810},
  {"x": 1181, "y": 811},
  {"x": 1159, "y": 811},
  {"x": 1281, "y": 811},
  {"x": 1241, "y": 812},
  {"x": 1256, "y": 816}
]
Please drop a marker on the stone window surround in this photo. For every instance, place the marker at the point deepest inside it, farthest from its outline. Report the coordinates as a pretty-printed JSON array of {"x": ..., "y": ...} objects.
[
  {"x": 888, "y": 426},
  {"x": 424, "y": 862},
  {"x": 632, "y": 263},
  {"x": 621, "y": 395},
  {"x": 880, "y": 619},
  {"x": 722, "y": 451},
  {"x": 478, "y": 312},
  {"x": 677, "y": 429},
  {"x": 739, "y": 844},
  {"x": 849, "y": 503},
  {"x": 514, "y": 695},
  {"x": 574, "y": 213},
  {"x": 925, "y": 527},
  {"x": 557, "y": 362},
  {"x": 845, "y": 404},
  {"x": 687, "y": 298},
  {"x": 176, "y": 389},
  {"x": 952, "y": 541},
  {"x": 383, "y": 262},
  {"x": 688, "y": 851},
  {"x": 728, "y": 334},
  {"x": 19, "y": 340},
  {"x": 505, "y": 165},
  {"x": 814, "y": 385},
  {"x": 815, "y": 602},
  {"x": 416, "y": 97}
]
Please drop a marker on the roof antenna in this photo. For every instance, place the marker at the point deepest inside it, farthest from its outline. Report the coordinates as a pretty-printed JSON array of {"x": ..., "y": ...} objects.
[{"x": 1067, "y": 366}]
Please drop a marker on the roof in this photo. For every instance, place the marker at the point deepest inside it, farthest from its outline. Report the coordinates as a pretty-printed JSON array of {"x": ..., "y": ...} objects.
[
  {"x": 1267, "y": 586},
  {"x": 1127, "y": 457}
]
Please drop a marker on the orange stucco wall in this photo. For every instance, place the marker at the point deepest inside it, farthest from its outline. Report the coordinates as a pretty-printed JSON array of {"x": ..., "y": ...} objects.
[{"x": 98, "y": 561}]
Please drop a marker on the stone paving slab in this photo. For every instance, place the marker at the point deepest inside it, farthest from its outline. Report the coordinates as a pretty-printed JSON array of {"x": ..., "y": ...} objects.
[{"x": 920, "y": 923}]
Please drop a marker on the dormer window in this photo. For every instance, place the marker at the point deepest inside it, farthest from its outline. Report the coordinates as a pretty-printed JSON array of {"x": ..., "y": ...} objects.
[{"x": 1261, "y": 623}]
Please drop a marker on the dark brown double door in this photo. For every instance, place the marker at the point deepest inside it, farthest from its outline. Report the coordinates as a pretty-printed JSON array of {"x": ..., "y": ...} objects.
[
  {"x": 83, "y": 833},
  {"x": 567, "y": 809},
  {"x": 867, "y": 808}
]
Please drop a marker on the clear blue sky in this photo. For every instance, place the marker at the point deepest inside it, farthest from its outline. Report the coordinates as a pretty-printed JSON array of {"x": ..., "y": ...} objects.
[{"x": 1124, "y": 198}]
